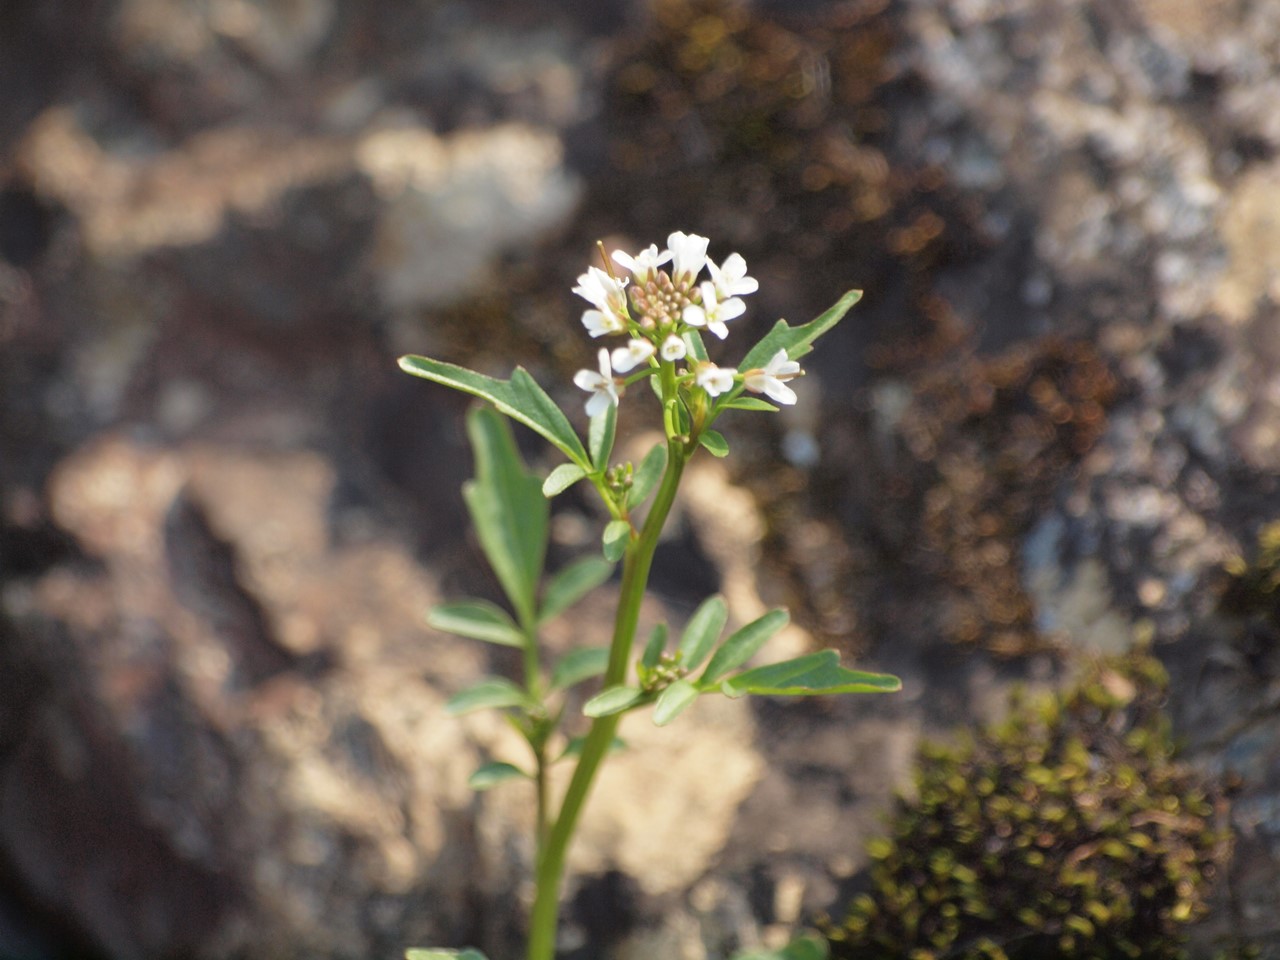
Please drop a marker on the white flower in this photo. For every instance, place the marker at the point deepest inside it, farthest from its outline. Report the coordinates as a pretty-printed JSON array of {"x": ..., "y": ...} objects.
[
  {"x": 731, "y": 279},
  {"x": 769, "y": 380},
  {"x": 712, "y": 314},
  {"x": 644, "y": 265},
  {"x": 688, "y": 254},
  {"x": 604, "y": 389},
  {"x": 715, "y": 380},
  {"x": 636, "y": 352},
  {"x": 609, "y": 298},
  {"x": 673, "y": 348}
]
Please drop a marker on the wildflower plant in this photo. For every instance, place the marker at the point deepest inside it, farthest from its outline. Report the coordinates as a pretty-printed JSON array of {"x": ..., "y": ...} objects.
[{"x": 651, "y": 311}]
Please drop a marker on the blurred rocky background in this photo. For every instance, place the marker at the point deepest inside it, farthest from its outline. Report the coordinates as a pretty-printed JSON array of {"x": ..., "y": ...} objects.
[{"x": 1051, "y": 429}]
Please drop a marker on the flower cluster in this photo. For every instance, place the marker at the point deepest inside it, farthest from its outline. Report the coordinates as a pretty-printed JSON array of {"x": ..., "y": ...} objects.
[{"x": 661, "y": 307}]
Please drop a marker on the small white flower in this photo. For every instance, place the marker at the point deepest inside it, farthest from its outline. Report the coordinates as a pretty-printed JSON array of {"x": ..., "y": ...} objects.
[
  {"x": 608, "y": 296},
  {"x": 769, "y": 380},
  {"x": 712, "y": 314},
  {"x": 688, "y": 254},
  {"x": 602, "y": 322},
  {"x": 673, "y": 348},
  {"x": 731, "y": 279},
  {"x": 715, "y": 380},
  {"x": 644, "y": 265},
  {"x": 603, "y": 388},
  {"x": 636, "y": 352}
]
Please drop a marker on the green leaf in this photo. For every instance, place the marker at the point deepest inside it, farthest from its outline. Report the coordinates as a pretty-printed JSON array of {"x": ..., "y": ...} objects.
[
  {"x": 561, "y": 479},
  {"x": 812, "y": 675},
  {"x": 714, "y": 442},
  {"x": 571, "y": 584},
  {"x": 802, "y": 948},
  {"x": 489, "y": 775},
  {"x": 489, "y": 693},
  {"x": 574, "y": 747},
  {"x": 614, "y": 700},
  {"x": 578, "y": 665},
  {"x": 653, "y": 649},
  {"x": 749, "y": 403},
  {"x": 702, "y": 631},
  {"x": 510, "y": 514},
  {"x": 672, "y": 701},
  {"x": 434, "y": 953},
  {"x": 616, "y": 537},
  {"x": 797, "y": 341},
  {"x": 740, "y": 646},
  {"x": 697, "y": 349},
  {"x": 648, "y": 474},
  {"x": 600, "y": 435},
  {"x": 477, "y": 619},
  {"x": 519, "y": 398}
]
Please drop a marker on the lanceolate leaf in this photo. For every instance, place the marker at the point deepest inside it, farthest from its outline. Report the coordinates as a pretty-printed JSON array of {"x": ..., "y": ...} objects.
[
  {"x": 432, "y": 953},
  {"x": 648, "y": 474},
  {"x": 489, "y": 693},
  {"x": 611, "y": 701},
  {"x": 654, "y": 648},
  {"x": 714, "y": 442},
  {"x": 604, "y": 427},
  {"x": 672, "y": 701},
  {"x": 491, "y": 774},
  {"x": 812, "y": 675},
  {"x": 702, "y": 631},
  {"x": 797, "y": 341},
  {"x": 571, "y": 584},
  {"x": 749, "y": 403},
  {"x": 519, "y": 398},
  {"x": 574, "y": 747},
  {"x": 561, "y": 479},
  {"x": 477, "y": 619},
  {"x": 616, "y": 537},
  {"x": 510, "y": 514},
  {"x": 740, "y": 646},
  {"x": 579, "y": 665}
]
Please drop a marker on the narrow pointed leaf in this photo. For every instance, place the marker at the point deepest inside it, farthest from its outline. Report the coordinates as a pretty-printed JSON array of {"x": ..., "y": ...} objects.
[
  {"x": 477, "y": 619},
  {"x": 491, "y": 774},
  {"x": 614, "y": 700},
  {"x": 697, "y": 349},
  {"x": 648, "y": 474},
  {"x": 714, "y": 442},
  {"x": 749, "y": 403},
  {"x": 797, "y": 341},
  {"x": 812, "y": 675},
  {"x": 653, "y": 649},
  {"x": 600, "y": 436},
  {"x": 434, "y": 953},
  {"x": 571, "y": 584},
  {"x": 702, "y": 631},
  {"x": 510, "y": 514},
  {"x": 616, "y": 536},
  {"x": 672, "y": 701},
  {"x": 574, "y": 747},
  {"x": 578, "y": 665},
  {"x": 561, "y": 479},
  {"x": 519, "y": 398},
  {"x": 489, "y": 693},
  {"x": 742, "y": 645}
]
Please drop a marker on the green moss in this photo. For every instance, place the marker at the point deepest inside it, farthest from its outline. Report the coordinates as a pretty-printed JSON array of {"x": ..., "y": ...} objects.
[{"x": 1067, "y": 830}]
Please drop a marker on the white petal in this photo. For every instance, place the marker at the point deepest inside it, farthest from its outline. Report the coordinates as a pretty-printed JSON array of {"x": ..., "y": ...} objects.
[
  {"x": 673, "y": 349},
  {"x": 695, "y": 316},
  {"x": 779, "y": 391},
  {"x": 599, "y": 402},
  {"x": 632, "y": 355},
  {"x": 588, "y": 380}
]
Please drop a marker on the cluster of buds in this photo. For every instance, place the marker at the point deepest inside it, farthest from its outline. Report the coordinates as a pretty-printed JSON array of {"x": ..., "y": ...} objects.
[{"x": 659, "y": 309}]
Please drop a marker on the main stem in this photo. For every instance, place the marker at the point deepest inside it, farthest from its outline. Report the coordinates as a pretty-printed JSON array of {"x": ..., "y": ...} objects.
[{"x": 635, "y": 576}]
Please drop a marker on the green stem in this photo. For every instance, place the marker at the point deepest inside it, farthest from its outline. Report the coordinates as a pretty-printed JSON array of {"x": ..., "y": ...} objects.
[{"x": 635, "y": 576}]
